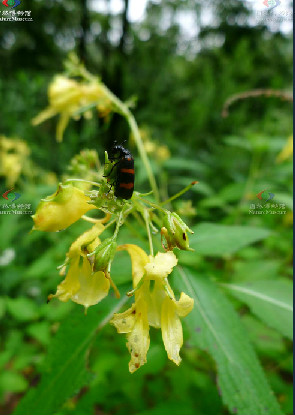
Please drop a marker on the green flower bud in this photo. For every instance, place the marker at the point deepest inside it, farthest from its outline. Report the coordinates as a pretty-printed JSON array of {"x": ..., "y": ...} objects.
[
  {"x": 109, "y": 171},
  {"x": 104, "y": 254},
  {"x": 175, "y": 232}
]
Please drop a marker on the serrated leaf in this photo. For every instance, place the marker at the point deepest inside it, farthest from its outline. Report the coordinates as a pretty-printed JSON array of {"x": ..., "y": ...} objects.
[
  {"x": 270, "y": 300},
  {"x": 216, "y": 328},
  {"x": 64, "y": 372},
  {"x": 219, "y": 240}
]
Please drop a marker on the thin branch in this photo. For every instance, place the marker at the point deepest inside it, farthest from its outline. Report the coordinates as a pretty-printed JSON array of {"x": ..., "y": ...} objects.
[{"x": 286, "y": 96}]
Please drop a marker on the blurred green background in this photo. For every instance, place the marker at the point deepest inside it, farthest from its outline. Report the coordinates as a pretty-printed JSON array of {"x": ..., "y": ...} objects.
[{"x": 180, "y": 61}]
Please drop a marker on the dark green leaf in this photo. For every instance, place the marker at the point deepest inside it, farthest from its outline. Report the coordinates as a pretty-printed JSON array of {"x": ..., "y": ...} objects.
[
  {"x": 64, "y": 372},
  {"x": 270, "y": 300},
  {"x": 12, "y": 382},
  {"x": 219, "y": 240},
  {"x": 22, "y": 308},
  {"x": 216, "y": 328}
]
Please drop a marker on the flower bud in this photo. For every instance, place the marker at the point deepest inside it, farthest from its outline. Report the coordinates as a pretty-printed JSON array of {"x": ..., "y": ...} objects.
[
  {"x": 175, "y": 232},
  {"x": 61, "y": 209},
  {"x": 104, "y": 254}
]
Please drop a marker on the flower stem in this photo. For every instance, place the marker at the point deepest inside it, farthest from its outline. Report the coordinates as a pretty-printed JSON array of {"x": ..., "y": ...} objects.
[
  {"x": 83, "y": 181},
  {"x": 93, "y": 220},
  {"x": 179, "y": 193},
  {"x": 148, "y": 229},
  {"x": 123, "y": 109},
  {"x": 125, "y": 112}
]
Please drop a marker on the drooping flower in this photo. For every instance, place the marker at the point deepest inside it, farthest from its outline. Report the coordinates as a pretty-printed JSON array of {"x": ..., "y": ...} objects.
[
  {"x": 62, "y": 209},
  {"x": 67, "y": 96},
  {"x": 81, "y": 285},
  {"x": 154, "y": 306}
]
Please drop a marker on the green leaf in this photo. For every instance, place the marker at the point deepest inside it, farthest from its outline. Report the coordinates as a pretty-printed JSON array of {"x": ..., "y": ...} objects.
[
  {"x": 40, "y": 331},
  {"x": 22, "y": 308},
  {"x": 270, "y": 300},
  {"x": 64, "y": 372},
  {"x": 285, "y": 198},
  {"x": 255, "y": 269},
  {"x": 12, "y": 382},
  {"x": 219, "y": 240},
  {"x": 240, "y": 142},
  {"x": 2, "y": 306},
  {"x": 216, "y": 328},
  {"x": 266, "y": 340}
]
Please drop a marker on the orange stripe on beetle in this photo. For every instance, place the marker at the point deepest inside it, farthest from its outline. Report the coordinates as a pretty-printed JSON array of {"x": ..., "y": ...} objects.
[
  {"x": 131, "y": 171},
  {"x": 127, "y": 185}
]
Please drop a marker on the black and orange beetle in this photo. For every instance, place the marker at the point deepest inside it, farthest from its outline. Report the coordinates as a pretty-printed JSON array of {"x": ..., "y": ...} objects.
[{"x": 124, "y": 171}]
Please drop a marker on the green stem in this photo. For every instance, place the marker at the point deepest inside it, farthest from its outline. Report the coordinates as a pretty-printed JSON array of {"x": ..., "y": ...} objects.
[
  {"x": 148, "y": 229},
  {"x": 168, "y": 289},
  {"x": 125, "y": 112},
  {"x": 154, "y": 205},
  {"x": 179, "y": 193},
  {"x": 131, "y": 292},
  {"x": 83, "y": 181},
  {"x": 118, "y": 224}
]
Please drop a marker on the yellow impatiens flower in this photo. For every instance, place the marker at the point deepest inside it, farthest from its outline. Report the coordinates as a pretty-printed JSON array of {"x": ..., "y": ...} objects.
[
  {"x": 287, "y": 151},
  {"x": 155, "y": 305},
  {"x": 14, "y": 155},
  {"x": 81, "y": 285},
  {"x": 67, "y": 96},
  {"x": 60, "y": 210}
]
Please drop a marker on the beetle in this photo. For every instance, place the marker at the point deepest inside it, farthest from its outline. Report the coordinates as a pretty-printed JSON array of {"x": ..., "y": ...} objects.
[{"x": 124, "y": 171}]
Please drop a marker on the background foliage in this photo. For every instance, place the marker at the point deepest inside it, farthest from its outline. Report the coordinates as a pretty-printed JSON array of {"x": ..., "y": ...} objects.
[{"x": 238, "y": 340}]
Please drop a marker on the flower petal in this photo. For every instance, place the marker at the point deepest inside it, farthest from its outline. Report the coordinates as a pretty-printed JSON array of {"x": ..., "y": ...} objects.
[
  {"x": 61, "y": 125},
  {"x": 60, "y": 210},
  {"x": 44, "y": 115},
  {"x": 93, "y": 288},
  {"x": 184, "y": 305},
  {"x": 70, "y": 285},
  {"x": 139, "y": 339},
  {"x": 161, "y": 265},
  {"x": 154, "y": 300},
  {"x": 138, "y": 259},
  {"x": 171, "y": 330},
  {"x": 124, "y": 322},
  {"x": 87, "y": 238}
]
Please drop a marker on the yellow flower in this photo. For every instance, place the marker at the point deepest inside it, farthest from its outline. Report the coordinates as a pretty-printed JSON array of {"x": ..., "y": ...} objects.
[
  {"x": 60, "y": 210},
  {"x": 287, "y": 151},
  {"x": 154, "y": 306},
  {"x": 14, "y": 155},
  {"x": 67, "y": 96},
  {"x": 81, "y": 285}
]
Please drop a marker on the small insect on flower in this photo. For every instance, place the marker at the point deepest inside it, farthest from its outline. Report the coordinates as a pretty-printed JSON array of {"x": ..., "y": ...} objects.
[{"x": 122, "y": 171}]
